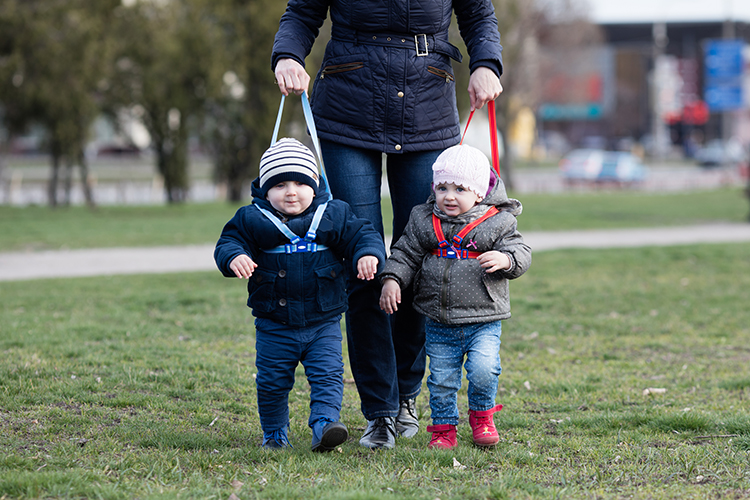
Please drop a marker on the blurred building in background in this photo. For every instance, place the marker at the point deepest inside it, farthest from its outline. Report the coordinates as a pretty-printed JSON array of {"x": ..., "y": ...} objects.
[{"x": 670, "y": 78}]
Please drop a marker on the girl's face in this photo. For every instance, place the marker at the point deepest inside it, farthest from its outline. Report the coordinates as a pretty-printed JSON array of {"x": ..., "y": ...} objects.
[
  {"x": 290, "y": 197},
  {"x": 455, "y": 200}
]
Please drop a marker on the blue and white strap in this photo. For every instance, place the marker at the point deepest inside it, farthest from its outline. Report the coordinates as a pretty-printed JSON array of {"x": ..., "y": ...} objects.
[
  {"x": 307, "y": 110},
  {"x": 297, "y": 244}
]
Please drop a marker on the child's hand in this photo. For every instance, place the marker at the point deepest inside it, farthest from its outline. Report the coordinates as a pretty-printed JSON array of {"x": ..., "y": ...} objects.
[
  {"x": 243, "y": 266},
  {"x": 367, "y": 266},
  {"x": 390, "y": 296},
  {"x": 494, "y": 261}
]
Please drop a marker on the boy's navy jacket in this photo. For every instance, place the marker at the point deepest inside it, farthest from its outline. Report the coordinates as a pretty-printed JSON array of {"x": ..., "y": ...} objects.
[{"x": 298, "y": 289}]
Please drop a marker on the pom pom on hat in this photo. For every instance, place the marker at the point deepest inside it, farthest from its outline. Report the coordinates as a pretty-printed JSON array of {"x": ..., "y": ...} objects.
[
  {"x": 463, "y": 166},
  {"x": 288, "y": 160}
]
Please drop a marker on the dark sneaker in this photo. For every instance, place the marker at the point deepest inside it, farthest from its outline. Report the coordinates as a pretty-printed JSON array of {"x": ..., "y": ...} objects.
[
  {"x": 275, "y": 440},
  {"x": 327, "y": 435},
  {"x": 407, "y": 424},
  {"x": 380, "y": 433}
]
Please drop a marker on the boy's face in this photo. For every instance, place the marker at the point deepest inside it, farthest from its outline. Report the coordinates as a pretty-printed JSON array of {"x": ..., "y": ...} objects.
[
  {"x": 455, "y": 200},
  {"x": 290, "y": 197}
]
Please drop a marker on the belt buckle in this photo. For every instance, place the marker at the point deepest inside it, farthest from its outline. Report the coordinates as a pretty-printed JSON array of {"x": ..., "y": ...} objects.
[{"x": 416, "y": 45}]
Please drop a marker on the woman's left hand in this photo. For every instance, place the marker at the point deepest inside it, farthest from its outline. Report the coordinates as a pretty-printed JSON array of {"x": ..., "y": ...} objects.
[{"x": 484, "y": 86}]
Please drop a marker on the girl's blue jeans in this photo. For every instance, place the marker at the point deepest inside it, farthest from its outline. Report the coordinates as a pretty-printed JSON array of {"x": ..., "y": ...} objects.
[
  {"x": 447, "y": 347},
  {"x": 386, "y": 353},
  {"x": 279, "y": 349}
]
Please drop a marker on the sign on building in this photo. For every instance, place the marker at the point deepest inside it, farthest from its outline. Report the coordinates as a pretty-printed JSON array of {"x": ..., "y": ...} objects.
[{"x": 724, "y": 66}]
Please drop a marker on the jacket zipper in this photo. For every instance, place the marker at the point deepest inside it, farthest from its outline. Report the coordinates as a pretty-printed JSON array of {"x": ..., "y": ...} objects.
[
  {"x": 441, "y": 73},
  {"x": 340, "y": 68}
]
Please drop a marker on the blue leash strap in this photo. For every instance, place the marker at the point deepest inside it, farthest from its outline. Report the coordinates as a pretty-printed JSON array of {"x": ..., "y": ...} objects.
[{"x": 307, "y": 110}]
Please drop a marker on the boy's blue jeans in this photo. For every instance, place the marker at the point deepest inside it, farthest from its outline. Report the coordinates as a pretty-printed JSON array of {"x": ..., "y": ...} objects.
[
  {"x": 386, "y": 353},
  {"x": 279, "y": 348},
  {"x": 446, "y": 347}
]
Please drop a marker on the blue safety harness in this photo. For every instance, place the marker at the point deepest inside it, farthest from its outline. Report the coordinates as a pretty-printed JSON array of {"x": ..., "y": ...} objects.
[{"x": 297, "y": 244}]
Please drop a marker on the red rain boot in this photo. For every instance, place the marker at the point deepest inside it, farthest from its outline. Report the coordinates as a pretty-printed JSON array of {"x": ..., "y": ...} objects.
[
  {"x": 443, "y": 436},
  {"x": 483, "y": 427}
]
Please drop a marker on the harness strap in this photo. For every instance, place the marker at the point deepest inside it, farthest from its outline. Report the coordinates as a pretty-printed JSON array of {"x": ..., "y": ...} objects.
[
  {"x": 297, "y": 244},
  {"x": 453, "y": 251},
  {"x": 307, "y": 111}
]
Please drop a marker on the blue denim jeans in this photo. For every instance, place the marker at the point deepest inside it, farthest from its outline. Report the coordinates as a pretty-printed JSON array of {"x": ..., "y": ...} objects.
[
  {"x": 446, "y": 347},
  {"x": 279, "y": 349},
  {"x": 386, "y": 354}
]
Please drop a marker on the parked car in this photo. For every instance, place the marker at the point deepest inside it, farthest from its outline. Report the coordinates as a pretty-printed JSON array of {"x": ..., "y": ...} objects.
[
  {"x": 596, "y": 165},
  {"x": 717, "y": 153}
]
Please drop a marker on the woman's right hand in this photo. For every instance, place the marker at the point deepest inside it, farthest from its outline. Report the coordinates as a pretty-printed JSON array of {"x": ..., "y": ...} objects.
[{"x": 291, "y": 77}]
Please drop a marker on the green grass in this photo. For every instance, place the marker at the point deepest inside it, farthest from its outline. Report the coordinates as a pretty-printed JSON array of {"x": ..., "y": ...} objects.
[
  {"x": 40, "y": 228},
  {"x": 142, "y": 387}
]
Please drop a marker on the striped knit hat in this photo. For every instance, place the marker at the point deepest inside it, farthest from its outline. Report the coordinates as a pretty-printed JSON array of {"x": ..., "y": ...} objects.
[{"x": 288, "y": 160}]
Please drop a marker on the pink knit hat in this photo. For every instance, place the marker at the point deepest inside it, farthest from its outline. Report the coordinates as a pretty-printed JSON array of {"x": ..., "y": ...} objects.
[{"x": 463, "y": 166}]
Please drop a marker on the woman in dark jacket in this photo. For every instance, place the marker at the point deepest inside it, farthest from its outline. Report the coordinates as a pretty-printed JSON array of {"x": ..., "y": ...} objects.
[{"x": 386, "y": 86}]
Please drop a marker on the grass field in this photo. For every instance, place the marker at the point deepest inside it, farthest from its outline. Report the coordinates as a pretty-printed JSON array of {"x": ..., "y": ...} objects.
[
  {"x": 39, "y": 228},
  {"x": 142, "y": 387}
]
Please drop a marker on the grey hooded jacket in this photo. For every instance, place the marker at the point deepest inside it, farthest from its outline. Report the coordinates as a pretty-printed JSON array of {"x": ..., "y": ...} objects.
[{"x": 460, "y": 291}]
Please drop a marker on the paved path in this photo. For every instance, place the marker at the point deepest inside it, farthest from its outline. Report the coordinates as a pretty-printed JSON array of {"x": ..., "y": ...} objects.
[{"x": 109, "y": 261}]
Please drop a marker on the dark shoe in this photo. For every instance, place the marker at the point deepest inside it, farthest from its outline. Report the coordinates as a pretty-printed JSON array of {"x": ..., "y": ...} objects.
[
  {"x": 275, "y": 440},
  {"x": 327, "y": 435},
  {"x": 380, "y": 433},
  {"x": 407, "y": 424}
]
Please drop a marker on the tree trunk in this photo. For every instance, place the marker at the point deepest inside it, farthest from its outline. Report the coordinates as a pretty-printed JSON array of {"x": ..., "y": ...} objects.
[
  {"x": 54, "y": 177},
  {"x": 67, "y": 182},
  {"x": 85, "y": 181},
  {"x": 506, "y": 165}
]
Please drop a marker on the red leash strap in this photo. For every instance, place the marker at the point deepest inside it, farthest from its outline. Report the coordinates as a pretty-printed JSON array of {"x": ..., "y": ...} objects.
[
  {"x": 444, "y": 251},
  {"x": 493, "y": 137},
  {"x": 471, "y": 115}
]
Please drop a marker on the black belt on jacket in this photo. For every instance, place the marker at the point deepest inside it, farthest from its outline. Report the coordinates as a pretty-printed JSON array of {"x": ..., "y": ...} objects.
[{"x": 421, "y": 43}]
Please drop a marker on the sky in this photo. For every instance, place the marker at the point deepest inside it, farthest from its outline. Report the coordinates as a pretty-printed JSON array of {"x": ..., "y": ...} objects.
[{"x": 618, "y": 11}]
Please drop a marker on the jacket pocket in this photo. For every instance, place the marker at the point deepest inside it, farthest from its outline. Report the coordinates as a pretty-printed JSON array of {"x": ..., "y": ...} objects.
[
  {"x": 343, "y": 93},
  {"x": 331, "y": 287},
  {"x": 445, "y": 75},
  {"x": 261, "y": 288},
  {"x": 333, "y": 69}
]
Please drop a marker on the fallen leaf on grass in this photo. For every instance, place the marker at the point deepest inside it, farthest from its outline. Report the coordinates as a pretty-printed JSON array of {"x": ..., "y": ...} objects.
[
  {"x": 653, "y": 390},
  {"x": 527, "y": 385},
  {"x": 233, "y": 497},
  {"x": 458, "y": 465},
  {"x": 237, "y": 484}
]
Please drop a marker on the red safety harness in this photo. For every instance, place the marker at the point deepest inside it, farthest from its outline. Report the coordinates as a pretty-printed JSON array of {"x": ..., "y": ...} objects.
[{"x": 455, "y": 251}]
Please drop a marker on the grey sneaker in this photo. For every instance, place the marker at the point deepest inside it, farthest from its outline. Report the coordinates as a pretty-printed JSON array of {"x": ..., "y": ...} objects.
[
  {"x": 380, "y": 433},
  {"x": 407, "y": 424}
]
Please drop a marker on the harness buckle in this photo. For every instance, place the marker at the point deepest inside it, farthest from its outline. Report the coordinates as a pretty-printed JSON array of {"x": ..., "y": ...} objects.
[{"x": 416, "y": 45}]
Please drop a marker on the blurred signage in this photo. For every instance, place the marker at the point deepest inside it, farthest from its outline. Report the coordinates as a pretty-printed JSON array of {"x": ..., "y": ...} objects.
[
  {"x": 576, "y": 85},
  {"x": 723, "y": 74},
  {"x": 550, "y": 111}
]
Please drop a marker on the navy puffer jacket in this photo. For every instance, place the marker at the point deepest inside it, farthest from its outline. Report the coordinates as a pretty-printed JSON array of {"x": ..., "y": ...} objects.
[
  {"x": 386, "y": 82},
  {"x": 298, "y": 289}
]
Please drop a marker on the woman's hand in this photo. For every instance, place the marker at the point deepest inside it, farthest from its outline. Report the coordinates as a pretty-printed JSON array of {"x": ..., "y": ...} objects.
[
  {"x": 484, "y": 86},
  {"x": 291, "y": 77}
]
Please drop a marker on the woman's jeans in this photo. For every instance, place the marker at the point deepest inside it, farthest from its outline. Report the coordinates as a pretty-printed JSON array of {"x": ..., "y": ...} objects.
[
  {"x": 446, "y": 347},
  {"x": 280, "y": 349},
  {"x": 386, "y": 354}
]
